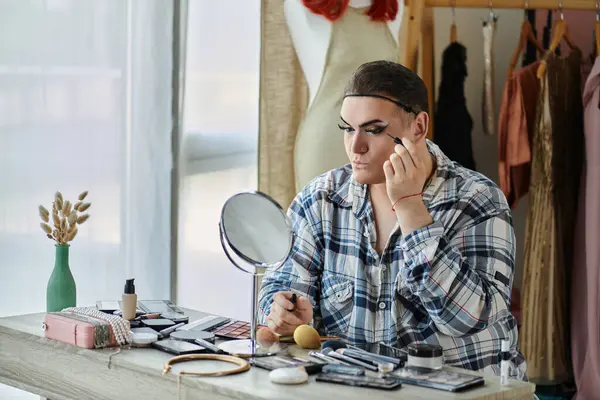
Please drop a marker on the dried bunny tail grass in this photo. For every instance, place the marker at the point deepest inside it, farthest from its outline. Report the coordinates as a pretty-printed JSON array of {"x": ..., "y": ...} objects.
[
  {"x": 65, "y": 217},
  {"x": 71, "y": 235},
  {"x": 46, "y": 228},
  {"x": 58, "y": 199},
  {"x": 44, "y": 214},
  {"x": 56, "y": 219},
  {"x": 62, "y": 236},
  {"x": 66, "y": 210},
  {"x": 72, "y": 218},
  {"x": 82, "y": 218}
]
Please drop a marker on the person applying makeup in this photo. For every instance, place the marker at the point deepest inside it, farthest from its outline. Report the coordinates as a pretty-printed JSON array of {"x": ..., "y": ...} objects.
[{"x": 401, "y": 245}]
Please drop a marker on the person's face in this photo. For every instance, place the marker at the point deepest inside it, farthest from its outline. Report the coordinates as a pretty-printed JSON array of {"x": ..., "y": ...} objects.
[{"x": 366, "y": 122}]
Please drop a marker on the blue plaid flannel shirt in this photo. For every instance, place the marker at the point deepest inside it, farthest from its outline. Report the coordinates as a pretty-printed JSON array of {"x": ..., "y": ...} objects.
[{"x": 448, "y": 283}]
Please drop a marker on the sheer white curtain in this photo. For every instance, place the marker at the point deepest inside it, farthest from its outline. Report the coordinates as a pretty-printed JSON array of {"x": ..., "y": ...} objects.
[
  {"x": 85, "y": 104},
  {"x": 219, "y": 148}
]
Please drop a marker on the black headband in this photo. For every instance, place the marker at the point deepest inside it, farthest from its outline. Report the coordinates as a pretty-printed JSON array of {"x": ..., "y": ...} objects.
[{"x": 403, "y": 106}]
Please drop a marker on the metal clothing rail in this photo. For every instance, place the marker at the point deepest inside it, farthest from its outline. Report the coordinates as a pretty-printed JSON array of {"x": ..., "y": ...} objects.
[
  {"x": 517, "y": 4},
  {"x": 419, "y": 18}
]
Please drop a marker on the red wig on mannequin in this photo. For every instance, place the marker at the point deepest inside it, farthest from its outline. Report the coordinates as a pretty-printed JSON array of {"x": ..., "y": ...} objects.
[{"x": 381, "y": 10}]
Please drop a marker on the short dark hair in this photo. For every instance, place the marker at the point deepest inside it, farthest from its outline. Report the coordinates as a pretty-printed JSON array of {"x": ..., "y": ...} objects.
[{"x": 387, "y": 78}]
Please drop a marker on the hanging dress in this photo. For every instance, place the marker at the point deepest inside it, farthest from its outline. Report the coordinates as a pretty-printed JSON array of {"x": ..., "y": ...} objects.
[
  {"x": 585, "y": 298},
  {"x": 488, "y": 104},
  {"x": 516, "y": 123},
  {"x": 453, "y": 124},
  {"x": 555, "y": 173},
  {"x": 355, "y": 40}
]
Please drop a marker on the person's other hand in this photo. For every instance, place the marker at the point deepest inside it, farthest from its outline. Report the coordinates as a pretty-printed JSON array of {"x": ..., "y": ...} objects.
[{"x": 285, "y": 317}]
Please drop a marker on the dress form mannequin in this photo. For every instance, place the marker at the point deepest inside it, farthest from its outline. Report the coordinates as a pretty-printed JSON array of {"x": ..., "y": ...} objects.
[{"x": 328, "y": 53}]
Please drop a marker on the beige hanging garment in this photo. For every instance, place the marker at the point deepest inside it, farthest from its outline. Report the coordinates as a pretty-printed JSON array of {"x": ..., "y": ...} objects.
[{"x": 555, "y": 171}]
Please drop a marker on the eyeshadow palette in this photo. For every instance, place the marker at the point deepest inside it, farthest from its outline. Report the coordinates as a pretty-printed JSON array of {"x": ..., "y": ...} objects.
[
  {"x": 235, "y": 330},
  {"x": 438, "y": 379}
]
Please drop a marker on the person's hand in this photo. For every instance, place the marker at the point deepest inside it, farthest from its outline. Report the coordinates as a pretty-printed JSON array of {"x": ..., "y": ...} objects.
[
  {"x": 405, "y": 174},
  {"x": 285, "y": 316}
]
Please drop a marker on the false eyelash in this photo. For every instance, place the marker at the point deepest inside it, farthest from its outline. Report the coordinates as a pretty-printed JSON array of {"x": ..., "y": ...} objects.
[{"x": 376, "y": 131}]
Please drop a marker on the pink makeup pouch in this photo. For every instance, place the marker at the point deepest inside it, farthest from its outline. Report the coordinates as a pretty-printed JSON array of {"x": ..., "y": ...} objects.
[{"x": 79, "y": 330}]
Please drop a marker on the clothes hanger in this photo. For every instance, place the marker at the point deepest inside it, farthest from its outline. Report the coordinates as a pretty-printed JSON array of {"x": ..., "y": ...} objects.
[
  {"x": 526, "y": 36},
  {"x": 597, "y": 28},
  {"x": 561, "y": 31},
  {"x": 453, "y": 35}
]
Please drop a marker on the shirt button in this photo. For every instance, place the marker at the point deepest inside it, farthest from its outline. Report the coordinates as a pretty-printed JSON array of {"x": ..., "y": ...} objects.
[{"x": 382, "y": 305}]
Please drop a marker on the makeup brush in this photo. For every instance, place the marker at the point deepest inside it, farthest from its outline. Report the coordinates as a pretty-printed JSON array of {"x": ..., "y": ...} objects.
[{"x": 396, "y": 140}]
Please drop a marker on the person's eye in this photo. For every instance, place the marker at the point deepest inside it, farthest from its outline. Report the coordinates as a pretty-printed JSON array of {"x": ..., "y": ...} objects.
[
  {"x": 375, "y": 130},
  {"x": 346, "y": 129}
]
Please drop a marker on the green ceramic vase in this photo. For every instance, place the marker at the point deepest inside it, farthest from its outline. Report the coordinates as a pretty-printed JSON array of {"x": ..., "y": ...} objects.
[{"x": 61, "y": 291}]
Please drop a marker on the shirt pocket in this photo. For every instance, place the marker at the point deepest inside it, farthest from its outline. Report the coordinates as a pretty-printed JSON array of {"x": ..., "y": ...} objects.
[{"x": 337, "y": 304}]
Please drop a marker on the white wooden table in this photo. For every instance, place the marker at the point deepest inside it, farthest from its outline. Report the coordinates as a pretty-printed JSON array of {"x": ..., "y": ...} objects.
[{"x": 51, "y": 369}]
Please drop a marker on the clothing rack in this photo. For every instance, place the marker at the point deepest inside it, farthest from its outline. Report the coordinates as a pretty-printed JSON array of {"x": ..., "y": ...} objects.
[{"x": 421, "y": 29}]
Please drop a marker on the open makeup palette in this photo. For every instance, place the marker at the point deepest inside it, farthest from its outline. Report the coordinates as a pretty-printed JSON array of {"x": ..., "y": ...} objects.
[{"x": 235, "y": 330}]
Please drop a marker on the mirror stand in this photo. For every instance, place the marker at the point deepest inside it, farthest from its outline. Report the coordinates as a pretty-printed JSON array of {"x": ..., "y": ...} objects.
[{"x": 248, "y": 347}]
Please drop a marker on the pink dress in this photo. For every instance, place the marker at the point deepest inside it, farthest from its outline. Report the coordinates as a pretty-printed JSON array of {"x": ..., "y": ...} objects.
[{"x": 585, "y": 301}]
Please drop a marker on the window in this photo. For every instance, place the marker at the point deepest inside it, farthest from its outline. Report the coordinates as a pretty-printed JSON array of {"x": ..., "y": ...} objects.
[
  {"x": 85, "y": 104},
  {"x": 219, "y": 148}
]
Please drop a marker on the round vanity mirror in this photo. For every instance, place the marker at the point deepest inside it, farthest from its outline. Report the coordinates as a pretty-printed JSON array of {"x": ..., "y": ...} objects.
[
  {"x": 256, "y": 235},
  {"x": 257, "y": 230}
]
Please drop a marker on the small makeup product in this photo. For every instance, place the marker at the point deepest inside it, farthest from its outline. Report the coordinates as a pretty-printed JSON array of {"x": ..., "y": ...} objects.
[
  {"x": 441, "y": 379},
  {"x": 370, "y": 357},
  {"x": 334, "y": 353},
  {"x": 396, "y": 140},
  {"x": 293, "y": 301},
  {"x": 287, "y": 361},
  {"x": 425, "y": 355},
  {"x": 178, "y": 347},
  {"x": 158, "y": 324},
  {"x": 327, "y": 359},
  {"x": 144, "y": 339},
  {"x": 176, "y": 317},
  {"x": 207, "y": 324},
  {"x": 145, "y": 329},
  {"x": 148, "y": 316},
  {"x": 344, "y": 369},
  {"x": 191, "y": 336},
  {"x": 235, "y": 330},
  {"x": 208, "y": 346},
  {"x": 385, "y": 369},
  {"x": 359, "y": 381},
  {"x": 129, "y": 301},
  {"x": 167, "y": 331},
  {"x": 288, "y": 376},
  {"x": 307, "y": 337},
  {"x": 504, "y": 362}
]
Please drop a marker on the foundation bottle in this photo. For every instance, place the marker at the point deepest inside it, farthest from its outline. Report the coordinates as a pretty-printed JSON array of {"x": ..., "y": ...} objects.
[{"x": 129, "y": 301}]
